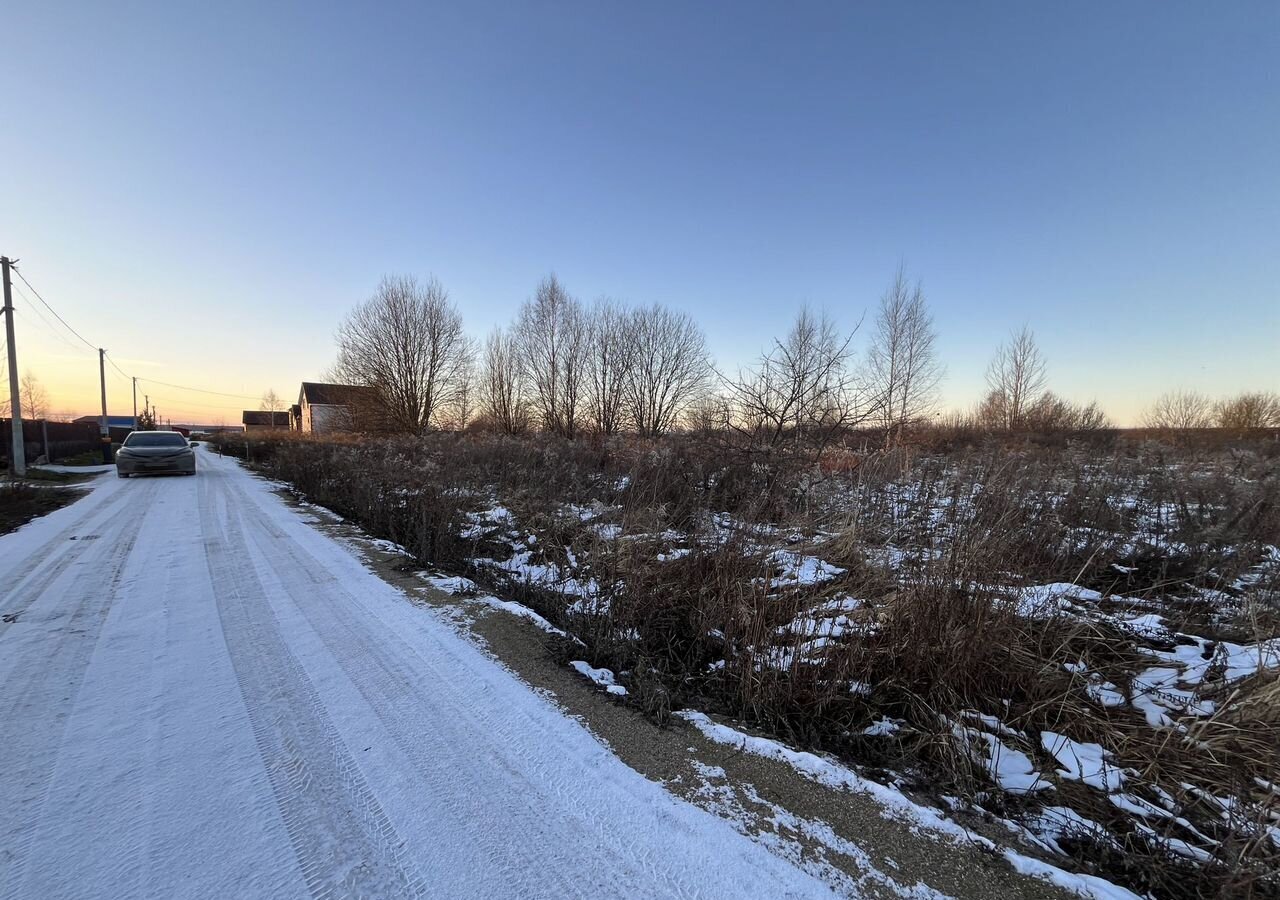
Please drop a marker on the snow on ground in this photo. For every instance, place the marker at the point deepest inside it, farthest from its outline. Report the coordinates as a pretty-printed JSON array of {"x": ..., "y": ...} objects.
[
  {"x": 454, "y": 584},
  {"x": 797, "y": 569},
  {"x": 1079, "y": 761},
  {"x": 602, "y": 677},
  {"x": 895, "y": 804},
  {"x": 809, "y": 843},
  {"x": 1008, "y": 767},
  {"x": 75, "y": 470},
  {"x": 203, "y": 696}
]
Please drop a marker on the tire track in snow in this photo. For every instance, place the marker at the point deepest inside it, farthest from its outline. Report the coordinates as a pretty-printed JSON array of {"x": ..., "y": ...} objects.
[
  {"x": 426, "y": 735},
  {"x": 53, "y": 558},
  {"x": 343, "y": 842},
  {"x": 37, "y": 698}
]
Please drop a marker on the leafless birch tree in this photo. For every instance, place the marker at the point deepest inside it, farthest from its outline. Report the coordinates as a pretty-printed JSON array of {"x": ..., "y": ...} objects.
[
  {"x": 552, "y": 332},
  {"x": 407, "y": 342},
  {"x": 667, "y": 367},
  {"x": 1016, "y": 378},
  {"x": 271, "y": 402},
  {"x": 34, "y": 397},
  {"x": 902, "y": 362}
]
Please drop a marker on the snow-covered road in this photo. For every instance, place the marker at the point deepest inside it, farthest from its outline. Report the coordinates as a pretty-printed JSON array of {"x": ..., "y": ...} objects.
[{"x": 203, "y": 696}]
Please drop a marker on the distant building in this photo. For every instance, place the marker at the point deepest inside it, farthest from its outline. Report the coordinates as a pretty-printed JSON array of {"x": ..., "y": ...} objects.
[
  {"x": 261, "y": 420},
  {"x": 112, "y": 421},
  {"x": 326, "y": 408},
  {"x": 120, "y": 426}
]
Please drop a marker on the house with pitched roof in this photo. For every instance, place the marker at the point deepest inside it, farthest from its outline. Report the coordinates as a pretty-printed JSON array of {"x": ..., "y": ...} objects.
[
  {"x": 326, "y": 408},
  {"x": 262, "y": 420}
]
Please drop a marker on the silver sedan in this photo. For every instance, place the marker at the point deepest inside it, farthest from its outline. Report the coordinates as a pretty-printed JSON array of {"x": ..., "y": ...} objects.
[{"x": 154, "y": 453}]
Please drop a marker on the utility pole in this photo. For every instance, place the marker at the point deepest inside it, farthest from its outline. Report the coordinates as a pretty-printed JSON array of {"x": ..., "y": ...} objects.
[
  {"x": 104, "y": 430},
  {"x": 135, "y": 403},
  {"x": 18, "y": 452}
]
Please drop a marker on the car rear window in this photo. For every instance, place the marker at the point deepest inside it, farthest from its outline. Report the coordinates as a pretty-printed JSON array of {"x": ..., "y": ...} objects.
[{"x": 155, "y": 439}]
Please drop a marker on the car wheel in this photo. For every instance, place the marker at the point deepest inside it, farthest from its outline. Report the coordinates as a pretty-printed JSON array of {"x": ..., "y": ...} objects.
[{"x": 121, "y": 474}]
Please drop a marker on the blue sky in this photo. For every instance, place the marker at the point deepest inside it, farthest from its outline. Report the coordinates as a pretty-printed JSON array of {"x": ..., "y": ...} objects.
[{"x": 206, "y": 189}]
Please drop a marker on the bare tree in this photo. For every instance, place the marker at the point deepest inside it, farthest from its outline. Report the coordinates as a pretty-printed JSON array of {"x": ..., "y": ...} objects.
[
  {"x": 502, "y": 388},
  {"x": 709, "y": 413},
  {"x": 1017, "y": 378},
  {"x": 902, "y": 361},
  {"x": 271, "y": 402},
  {"x": 1248, "y": 411},
  {"x": 1180, "y": 409},
  {"x": 34, "y": 397},
  {"x": 608, "y": 349},
  {"x": 407, "y": 342},
  {"x": 804, "y": 387},
  {"x": 668, "y": 367},
  {"x": 552, "y": 333},
  {"x": 461, "y": 410}
]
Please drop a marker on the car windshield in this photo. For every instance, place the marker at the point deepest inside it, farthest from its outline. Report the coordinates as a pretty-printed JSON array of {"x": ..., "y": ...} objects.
[{"x": 155, "y": 439}]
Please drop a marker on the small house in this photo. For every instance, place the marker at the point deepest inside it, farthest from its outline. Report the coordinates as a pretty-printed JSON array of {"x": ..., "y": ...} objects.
[
  {"x": 326, "y": 408},
  {"x": 262, "y": 420}
]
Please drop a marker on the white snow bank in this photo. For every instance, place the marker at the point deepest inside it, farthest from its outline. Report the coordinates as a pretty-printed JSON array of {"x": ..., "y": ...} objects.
[
  {"x": 1010, "y": 768},
  {"x": 1045, "y": 599},
  {"x": 798, "y": 569},
  {"x": 602, "y": 677},
  {"x": 1083, "y": 762},
  {"x": 389, "y": 546},
  {"x": 465, "y": 586}
]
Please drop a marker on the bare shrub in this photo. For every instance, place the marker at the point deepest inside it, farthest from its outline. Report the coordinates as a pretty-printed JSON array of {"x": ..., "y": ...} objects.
[
  {"x": 804, "y": 389},
  {"x": 1052, "y": 413},
  {"x": 1248, "y": 411},
  {"x": 1180, "y": 410}
]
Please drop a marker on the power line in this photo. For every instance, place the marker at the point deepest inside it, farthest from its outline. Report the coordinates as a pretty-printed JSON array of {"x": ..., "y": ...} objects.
[
  {"x": 114, "y": 366},
  {"x": 51, "y": 309},
  {"x": 54, "y": 330},
  {"x": 91, "y": 346},
  {"x": 183, "y": 387},
  {"x": 205, "y": 405}
]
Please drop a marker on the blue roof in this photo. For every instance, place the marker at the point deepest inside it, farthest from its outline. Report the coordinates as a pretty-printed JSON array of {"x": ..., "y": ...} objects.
[{"x": 112, "y": 421}]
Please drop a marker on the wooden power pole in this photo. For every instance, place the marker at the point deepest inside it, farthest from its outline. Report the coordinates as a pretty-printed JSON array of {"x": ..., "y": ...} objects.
[
  {"x": 18, "y": 451},
  {"x": 104, "y": 429}
]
